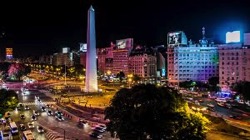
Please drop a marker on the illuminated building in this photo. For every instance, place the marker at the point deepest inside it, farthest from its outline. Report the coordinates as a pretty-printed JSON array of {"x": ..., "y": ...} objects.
[
  {"x": 142, "y": 62},
  {"x": 121, "y": 55},
  {"x": 61, "y": 59},
  {"x": 105, "y": 58},
  {"x": 9, "y": 53},
  {"x": 234, "y": 61},
  {"x": 91, "y": 66},
  {"x": 188, "y": 61}
]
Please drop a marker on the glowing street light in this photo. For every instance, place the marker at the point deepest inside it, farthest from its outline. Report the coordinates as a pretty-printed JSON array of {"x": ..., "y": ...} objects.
[{"x": 130, "y": 76}]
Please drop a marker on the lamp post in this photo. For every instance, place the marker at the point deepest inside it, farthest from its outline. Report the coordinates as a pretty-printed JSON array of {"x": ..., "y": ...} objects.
[
  {"x": 130, "y": 76},
  {"x": 65, "y": 73}
]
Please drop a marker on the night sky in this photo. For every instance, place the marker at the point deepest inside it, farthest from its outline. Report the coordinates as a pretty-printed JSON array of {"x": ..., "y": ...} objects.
[{"x": 43, "y": 27}]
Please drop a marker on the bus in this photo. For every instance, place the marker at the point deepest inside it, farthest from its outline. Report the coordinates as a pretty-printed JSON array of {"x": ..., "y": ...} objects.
[
  {"x": 13, "y": 127},
  {"x": 27, "y": 135}
]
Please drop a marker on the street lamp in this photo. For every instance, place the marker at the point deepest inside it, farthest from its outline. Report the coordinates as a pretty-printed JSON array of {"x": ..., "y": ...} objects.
[
  {"x": 65, "y": 73},
  {"x": 130, "y": 76}
]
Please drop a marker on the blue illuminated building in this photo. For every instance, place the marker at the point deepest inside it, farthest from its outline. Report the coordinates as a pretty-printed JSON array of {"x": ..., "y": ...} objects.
[{"x": 196, "y": 62}]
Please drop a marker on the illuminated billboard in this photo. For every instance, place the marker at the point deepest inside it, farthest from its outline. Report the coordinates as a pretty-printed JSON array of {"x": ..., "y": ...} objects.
[
  {"x": 9, "y": 53},
  {"x": 83, "y": 47},
  {"x": 65, "y": 50},
  {"x": 124, "y": 43},
  {"x": 233, "y": 37},
  {"x": 176, "y": 38}
]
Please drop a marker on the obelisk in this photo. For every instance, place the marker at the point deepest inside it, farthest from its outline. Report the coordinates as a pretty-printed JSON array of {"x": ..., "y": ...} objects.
[{"x": 91, "y": 66}]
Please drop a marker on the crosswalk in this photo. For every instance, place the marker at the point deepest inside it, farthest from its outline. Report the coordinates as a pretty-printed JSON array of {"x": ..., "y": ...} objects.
[{"x": 54, "y": 136}]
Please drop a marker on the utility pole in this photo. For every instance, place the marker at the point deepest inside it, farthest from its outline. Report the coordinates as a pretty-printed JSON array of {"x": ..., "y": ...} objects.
[{"x": 65, "y": 73}]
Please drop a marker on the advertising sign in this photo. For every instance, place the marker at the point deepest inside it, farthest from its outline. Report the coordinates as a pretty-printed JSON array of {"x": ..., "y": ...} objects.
[
  {"x": 65, "y": 50},
  {"x": 9, "y": 51},
  {"x": 233, "y": 37},
  {"x": 174, "y": 38},
  {"x": 83, "y": 47},
  {"x": 124, "y": 43}
]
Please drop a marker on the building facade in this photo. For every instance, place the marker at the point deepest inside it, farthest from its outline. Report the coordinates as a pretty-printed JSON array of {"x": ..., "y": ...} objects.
[
  {"x": 196, "y": 62},
  {"x": 234, "y": 63},
  {"x": 143, "y": 63}
]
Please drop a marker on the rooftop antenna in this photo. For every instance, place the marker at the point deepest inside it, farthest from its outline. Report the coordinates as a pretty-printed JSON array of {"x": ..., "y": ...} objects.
[{"x": 203, "y": 32}]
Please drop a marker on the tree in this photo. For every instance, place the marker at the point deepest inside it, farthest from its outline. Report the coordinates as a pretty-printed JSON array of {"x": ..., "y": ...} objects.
[
  {"x": 120, "y": 75},
  {"x": 8, "y": 100},
  {"x": 16, "y": 70},
  {"x": 4, "y": 70},
  {"x": 158, "y": 113},
  {"x": 242, "y": 88},
  {"x": 213, "y": 82}
]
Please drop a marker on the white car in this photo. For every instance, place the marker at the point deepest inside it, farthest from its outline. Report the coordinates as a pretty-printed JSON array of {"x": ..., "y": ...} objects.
[
  {"x": 31, "y": 124},
  {"x": 40, "y": 129},
  {"x": 98, "y": 129},
  {"x": 49, "y": 112},
  {"x": 103, "y": 126},
  {"x": 60, "y": 118},
  {"x": 36, "y": 113},
  {"x": 33, "y": 118}
]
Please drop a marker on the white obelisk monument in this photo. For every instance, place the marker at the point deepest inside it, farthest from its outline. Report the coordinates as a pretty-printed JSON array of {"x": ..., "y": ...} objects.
[{"x": 91, "y": 66}]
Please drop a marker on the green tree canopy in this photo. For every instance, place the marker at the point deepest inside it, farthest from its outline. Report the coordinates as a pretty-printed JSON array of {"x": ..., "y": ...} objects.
[
  {"x": 8, "y": 100},
  {"x": 158, "y": 113}
]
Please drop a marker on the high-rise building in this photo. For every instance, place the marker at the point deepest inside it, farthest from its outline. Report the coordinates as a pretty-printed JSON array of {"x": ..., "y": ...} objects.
[
  {"x": 234, "y": 62},
  {"x": 121, "y": 55},
  {"x": 142, "y": 62},
  {"x": 196, "y": 62},
  {"x": 105, "y": 58}
]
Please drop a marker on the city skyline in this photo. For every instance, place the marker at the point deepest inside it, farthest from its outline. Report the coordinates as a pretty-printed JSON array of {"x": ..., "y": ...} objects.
[{"x": 51, "y": 26}]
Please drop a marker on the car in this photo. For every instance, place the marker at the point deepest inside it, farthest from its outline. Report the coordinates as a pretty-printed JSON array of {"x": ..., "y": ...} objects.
[
  {"x": 35, "y": 112},
  {"x": 60, "y": 118},
  {"x": 20, "y": 107},
  {"x": 43, "y": 109},
  {"x": 8, "y": 114},
  {"x": 81, "y": 123},
  {"x": 58, "y": 113},
  {"x": 102, "y": 126},
  {"x": 49, "y": 112},
  {"x": 40, "y": 129},
  {"x": 5, "y": 135},
  {"x": 31, "y": 125},
  {"x": 48, "y": 106},
  {"x": 2, "y": 121},
  {"x": 22, "y": 127},
  {"x": 33, "y": 118},
  {"x": 22, "y": 116},
  {"x": 98, "y": 129},
  {"x": 26, "y": 108},
  {"x": 95, "y": 135}
]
